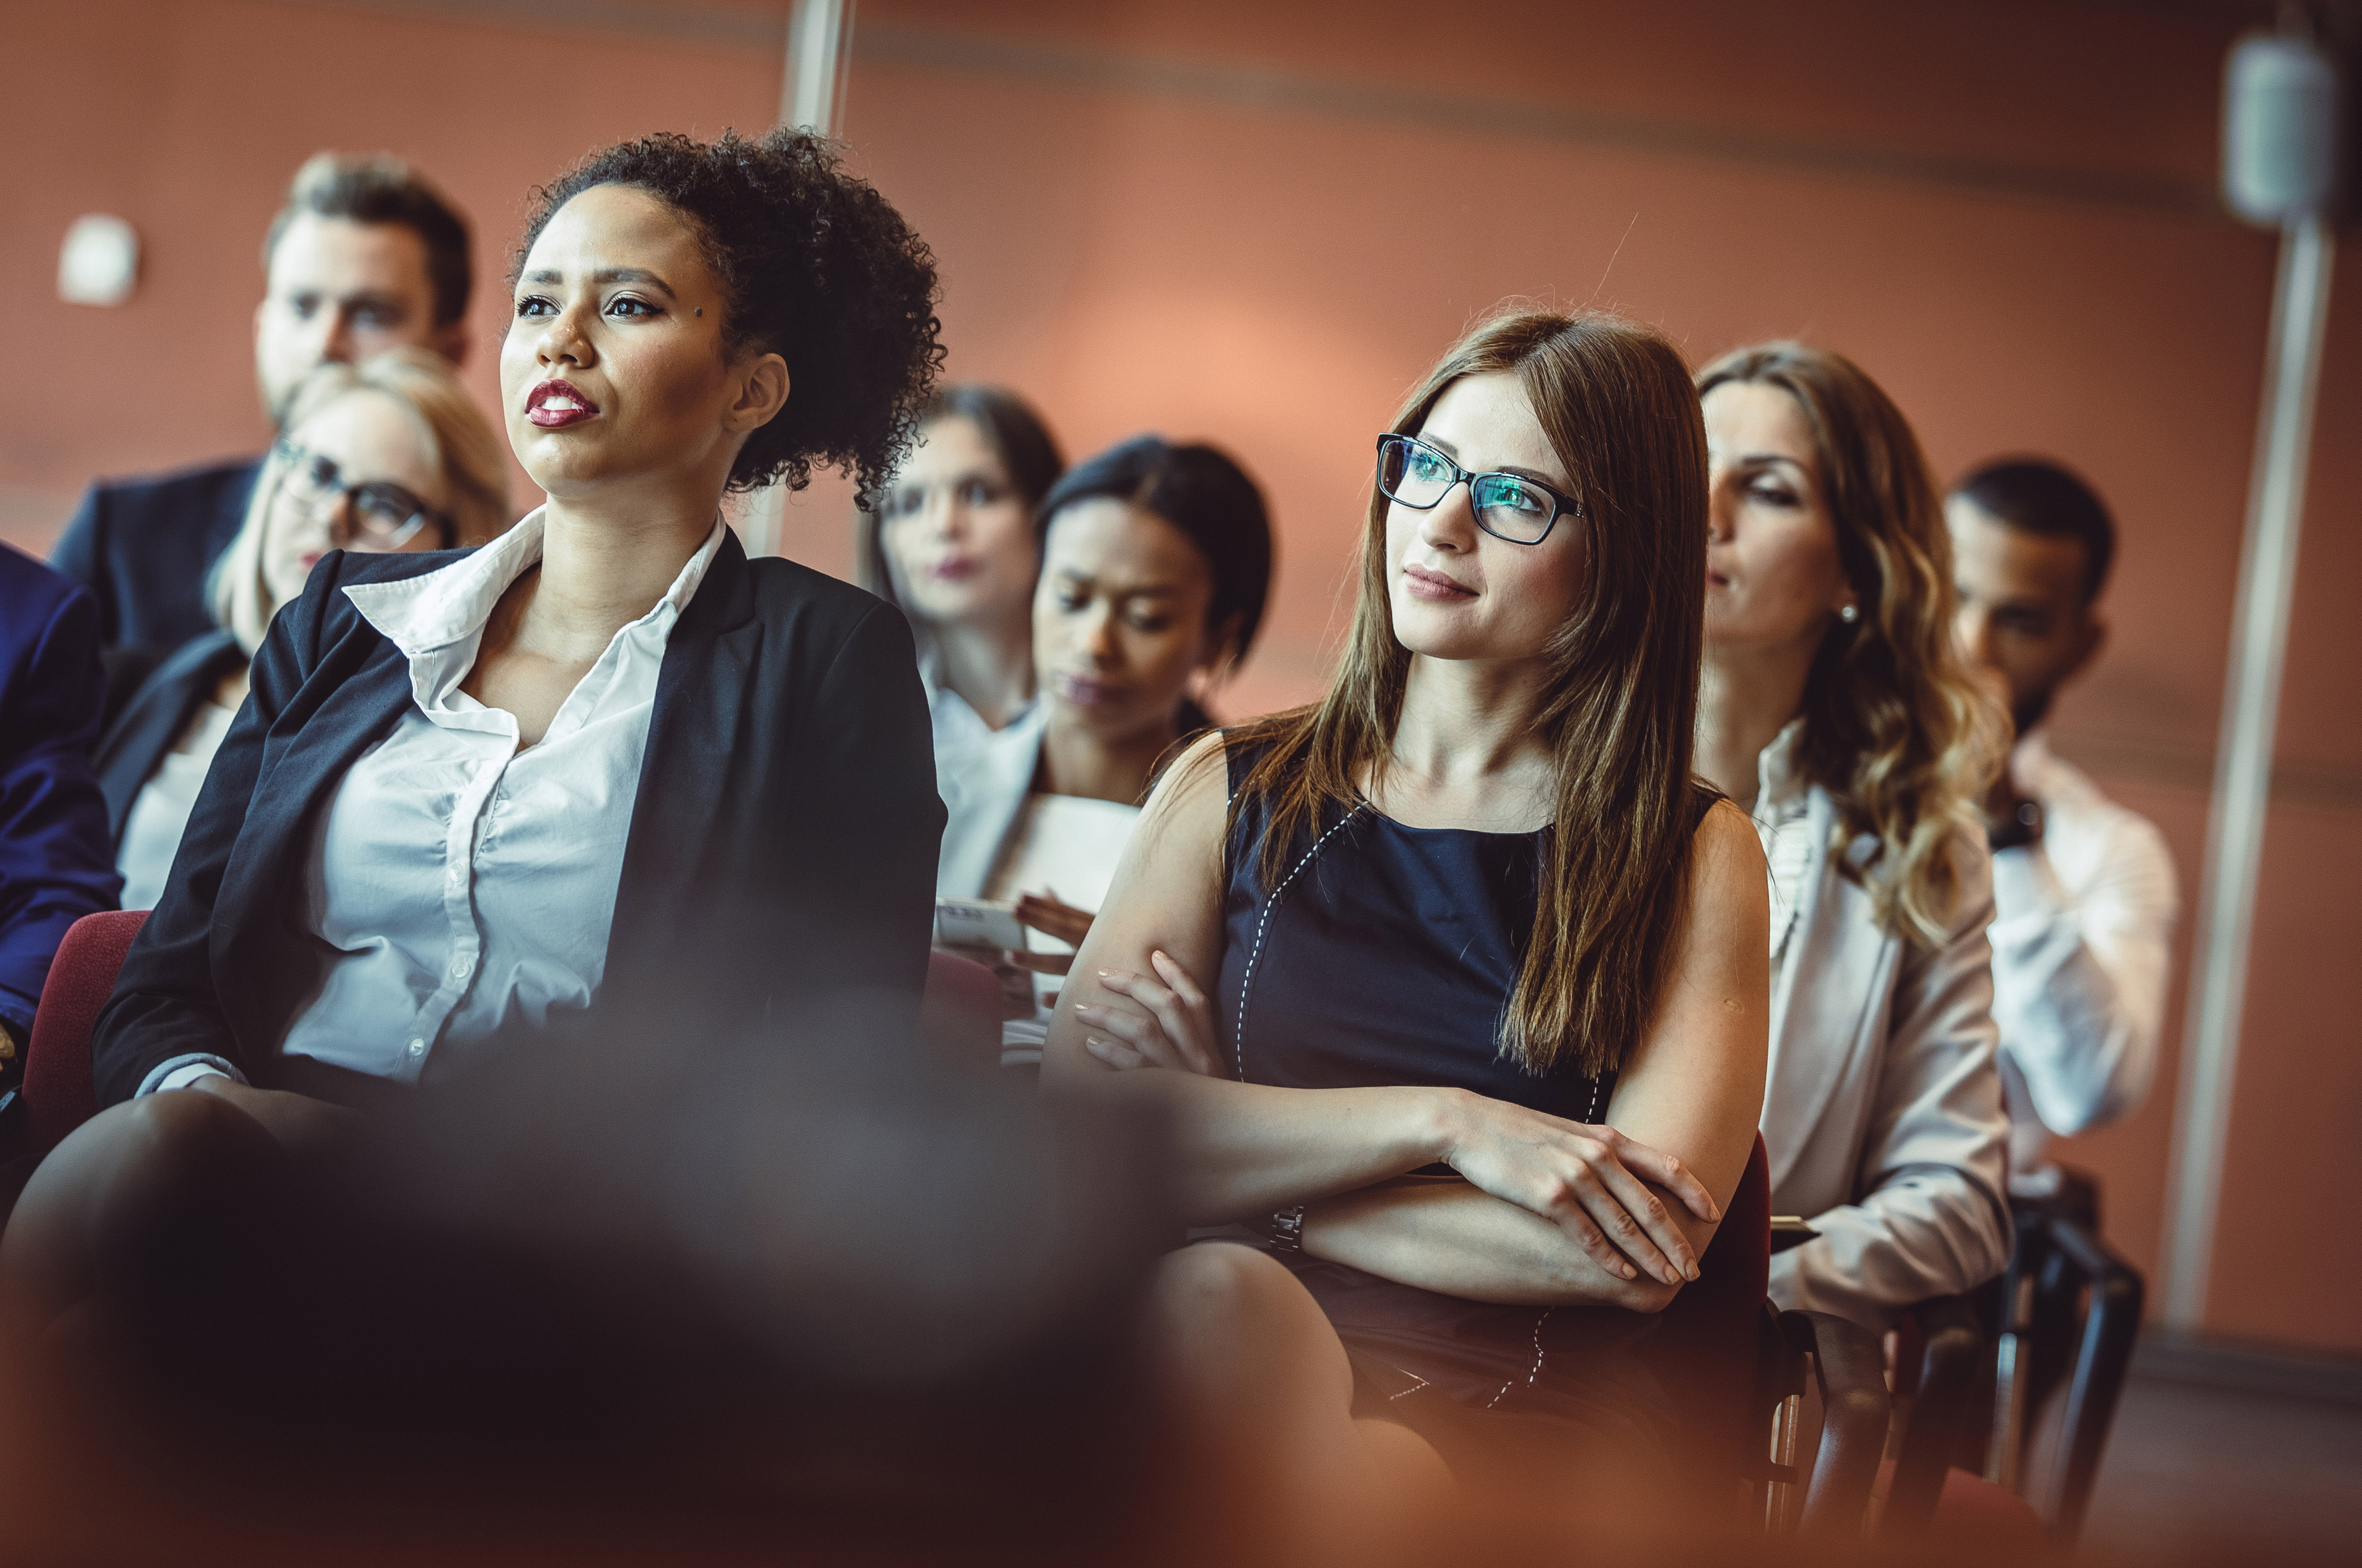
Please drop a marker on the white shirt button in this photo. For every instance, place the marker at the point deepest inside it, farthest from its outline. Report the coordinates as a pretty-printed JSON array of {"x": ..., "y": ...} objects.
[
  {"x": 459, "y": 968},
  {"x": 418, "y": 1047}
]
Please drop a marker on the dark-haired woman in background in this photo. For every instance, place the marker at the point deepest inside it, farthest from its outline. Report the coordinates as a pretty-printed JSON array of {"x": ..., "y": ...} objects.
[
  {"x": 604, "y": 774},
  {"x": 952, "y": 546},
  {"x": 1486, "y": 920},
  {"x": 1837, "y": 709},
  {"x": 1155, "y": 565}
]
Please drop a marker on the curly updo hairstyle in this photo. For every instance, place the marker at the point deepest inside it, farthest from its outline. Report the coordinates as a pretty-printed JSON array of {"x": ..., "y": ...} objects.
[{"x": 815, "y": 267}]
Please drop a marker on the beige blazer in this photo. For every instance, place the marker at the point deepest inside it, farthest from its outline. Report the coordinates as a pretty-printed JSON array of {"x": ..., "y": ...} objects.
[{"x": 1882, "y": 1113}]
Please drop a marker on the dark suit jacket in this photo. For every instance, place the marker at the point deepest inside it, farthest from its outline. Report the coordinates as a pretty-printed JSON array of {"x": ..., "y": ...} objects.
[
  {"x": 57, "y": 863},
  {"x": 149, "y": 723},
  {"x": 781, "y": 851},
  {"x": 143, "y": 547}
]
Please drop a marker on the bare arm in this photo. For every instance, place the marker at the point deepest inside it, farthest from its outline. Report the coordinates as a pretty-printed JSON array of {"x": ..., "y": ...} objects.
[
  {"x": 1246, "y": 1149},
  {"x": 1693, "y": 1089}
]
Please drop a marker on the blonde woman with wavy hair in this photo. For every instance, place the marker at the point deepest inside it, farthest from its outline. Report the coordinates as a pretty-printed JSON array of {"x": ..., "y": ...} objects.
[
  {"x": 390, "y": 454},
  {"x": 1834, "y": 707}
]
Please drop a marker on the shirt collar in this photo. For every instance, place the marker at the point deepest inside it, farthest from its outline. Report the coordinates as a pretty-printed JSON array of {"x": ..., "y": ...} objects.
[
  {"x": 1780, "y": 779},
  {"x": 2030, "y": 758},
  {"x": 438, "y": 618}
]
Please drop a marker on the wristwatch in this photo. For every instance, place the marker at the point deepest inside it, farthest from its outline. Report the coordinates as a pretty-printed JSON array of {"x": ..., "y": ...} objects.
[{"x": 1285, "y": 1232}]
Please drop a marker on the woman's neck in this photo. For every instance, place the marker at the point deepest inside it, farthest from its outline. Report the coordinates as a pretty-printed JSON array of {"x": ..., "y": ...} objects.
[
  {"x": 1101, "y": 768},
  {"x": 1465, "y": 753},
  {"x": 601, "y": 570},
  {"x": 1746, "y": 697},
  {"x": 989, "y": 668},
  {"x": 1464, "y": 721}
]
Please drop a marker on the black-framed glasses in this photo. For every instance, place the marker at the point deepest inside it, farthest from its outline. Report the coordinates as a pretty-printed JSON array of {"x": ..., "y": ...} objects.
[
  {"x": 1508, "y": 506},
  {"x": 381, "y": 516}
]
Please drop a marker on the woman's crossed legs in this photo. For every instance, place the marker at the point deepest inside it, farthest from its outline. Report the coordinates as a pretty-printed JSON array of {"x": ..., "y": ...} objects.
[{"x": 1264, "y": 1393}]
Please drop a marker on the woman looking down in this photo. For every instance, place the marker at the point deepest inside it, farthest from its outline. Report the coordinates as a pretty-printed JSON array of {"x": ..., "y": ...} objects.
[
  {"x": 1452, "y": 986},
  {"x": 1155, "y": 565},
  {"x": 1837, "y": 709}
]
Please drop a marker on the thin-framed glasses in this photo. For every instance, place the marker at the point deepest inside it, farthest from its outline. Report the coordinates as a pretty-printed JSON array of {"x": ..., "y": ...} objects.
[
  {"x": 1508, "y": 506},
  {"x": 378, "y": 516}
]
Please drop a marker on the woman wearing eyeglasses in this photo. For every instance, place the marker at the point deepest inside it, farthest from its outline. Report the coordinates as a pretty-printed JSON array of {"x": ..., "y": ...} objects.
[
  {"x": 387, "y": 456},
  {"x": 1453, "y": 987}
]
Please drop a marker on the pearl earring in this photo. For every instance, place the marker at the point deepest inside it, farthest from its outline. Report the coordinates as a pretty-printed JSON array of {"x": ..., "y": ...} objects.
[{"x": 1849, "y": 613}]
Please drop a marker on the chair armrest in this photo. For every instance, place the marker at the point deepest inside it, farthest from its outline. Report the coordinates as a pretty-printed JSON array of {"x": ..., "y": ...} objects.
[
  {"x": 2110, "y": 1326},
  {"x": 1851, "y": 1374},
  {"x": 1947, "y": 1389}
]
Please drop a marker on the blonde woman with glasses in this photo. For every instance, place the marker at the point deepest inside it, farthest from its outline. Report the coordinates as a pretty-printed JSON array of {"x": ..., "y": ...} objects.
[{"x": 387, "y": 456}]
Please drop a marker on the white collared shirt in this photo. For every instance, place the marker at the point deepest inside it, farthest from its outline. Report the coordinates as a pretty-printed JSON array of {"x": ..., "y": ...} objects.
[
  {"x": 2081, "y": 948},
  {"x": 1782, "y": 823},
  {"x": 459, "y": 882}
]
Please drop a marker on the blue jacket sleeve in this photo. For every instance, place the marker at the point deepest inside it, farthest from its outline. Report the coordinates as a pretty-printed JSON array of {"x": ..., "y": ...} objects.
[
  {"x": 81, "y": 554},
  {"x": 57, "y": 859}
]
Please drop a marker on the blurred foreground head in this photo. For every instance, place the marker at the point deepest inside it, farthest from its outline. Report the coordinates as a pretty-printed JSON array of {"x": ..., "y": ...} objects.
[{"x": 806, "y": 1290}]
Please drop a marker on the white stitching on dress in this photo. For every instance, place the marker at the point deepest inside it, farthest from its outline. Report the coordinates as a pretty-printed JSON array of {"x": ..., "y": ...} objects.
[
  {"x": 1263, "y": 927},
  {"x": 1533, "y": 1372},
  {"x": 1407, "y": 1392}
]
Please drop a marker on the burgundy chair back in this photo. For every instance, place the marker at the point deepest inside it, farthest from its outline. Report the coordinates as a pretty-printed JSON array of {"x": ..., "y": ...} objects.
[
  {"x": 58, "y": 1096},
  {"x": 1703, "y": 1349},
  {"x": 961, "y": 1009}
]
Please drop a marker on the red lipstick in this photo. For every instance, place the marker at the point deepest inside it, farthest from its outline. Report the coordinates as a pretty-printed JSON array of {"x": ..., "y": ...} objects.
[{"x": 554, "y": 406}]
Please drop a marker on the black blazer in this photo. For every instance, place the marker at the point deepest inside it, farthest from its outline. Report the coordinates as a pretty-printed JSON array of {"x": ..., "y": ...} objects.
[
  {"x": 781, "y": 852},
  {"x": 150, "y": 722},
  {"x": 143, "y": 547}
]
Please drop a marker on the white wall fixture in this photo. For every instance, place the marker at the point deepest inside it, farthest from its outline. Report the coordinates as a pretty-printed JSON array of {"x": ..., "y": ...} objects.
[
  {"x": 2279, "y": 129},
  {"x": 100, "y": 263}
]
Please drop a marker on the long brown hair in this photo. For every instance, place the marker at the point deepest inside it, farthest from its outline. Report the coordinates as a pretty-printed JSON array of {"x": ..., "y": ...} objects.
[
  {"x": 1616, "y": 401},
  {"x": 1895, "y": 729}
]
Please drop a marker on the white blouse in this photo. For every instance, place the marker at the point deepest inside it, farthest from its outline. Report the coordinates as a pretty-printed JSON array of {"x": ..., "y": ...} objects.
[
  {"x": 458, "y": 883},
  {"x": 1783, "y": 823},
  {"x": 160, "y": 812},
  {"x": 1065, "y": 847}
]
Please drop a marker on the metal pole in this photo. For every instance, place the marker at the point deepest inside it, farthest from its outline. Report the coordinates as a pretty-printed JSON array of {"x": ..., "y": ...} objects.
[
  {"x": 2243, "y": 762},
  {"x": 811, "y": 97}
]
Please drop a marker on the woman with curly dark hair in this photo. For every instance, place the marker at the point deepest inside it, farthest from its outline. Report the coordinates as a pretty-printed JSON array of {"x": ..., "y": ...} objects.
[{"x": 603, "y": 776}]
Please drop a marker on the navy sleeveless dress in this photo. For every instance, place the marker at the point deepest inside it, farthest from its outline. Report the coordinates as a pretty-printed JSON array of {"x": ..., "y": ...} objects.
[{"x": 1381, "y": 955}]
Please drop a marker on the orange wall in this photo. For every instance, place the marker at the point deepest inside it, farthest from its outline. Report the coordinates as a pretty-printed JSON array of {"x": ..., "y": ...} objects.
[{"x": 1258, "y": 222}]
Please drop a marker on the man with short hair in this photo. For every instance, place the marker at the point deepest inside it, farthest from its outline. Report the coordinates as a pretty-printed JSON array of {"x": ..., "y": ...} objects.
[
  {"x": 365, "y": 256},
  {"x": 2084, "y": 889}
]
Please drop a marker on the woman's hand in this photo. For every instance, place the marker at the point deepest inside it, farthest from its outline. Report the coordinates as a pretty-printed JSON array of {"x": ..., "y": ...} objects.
[
  {"x": 1175, "y": 1030},
  {"x": 1584, "y": 1179},
  {"x": 1045, "y": 914}
]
